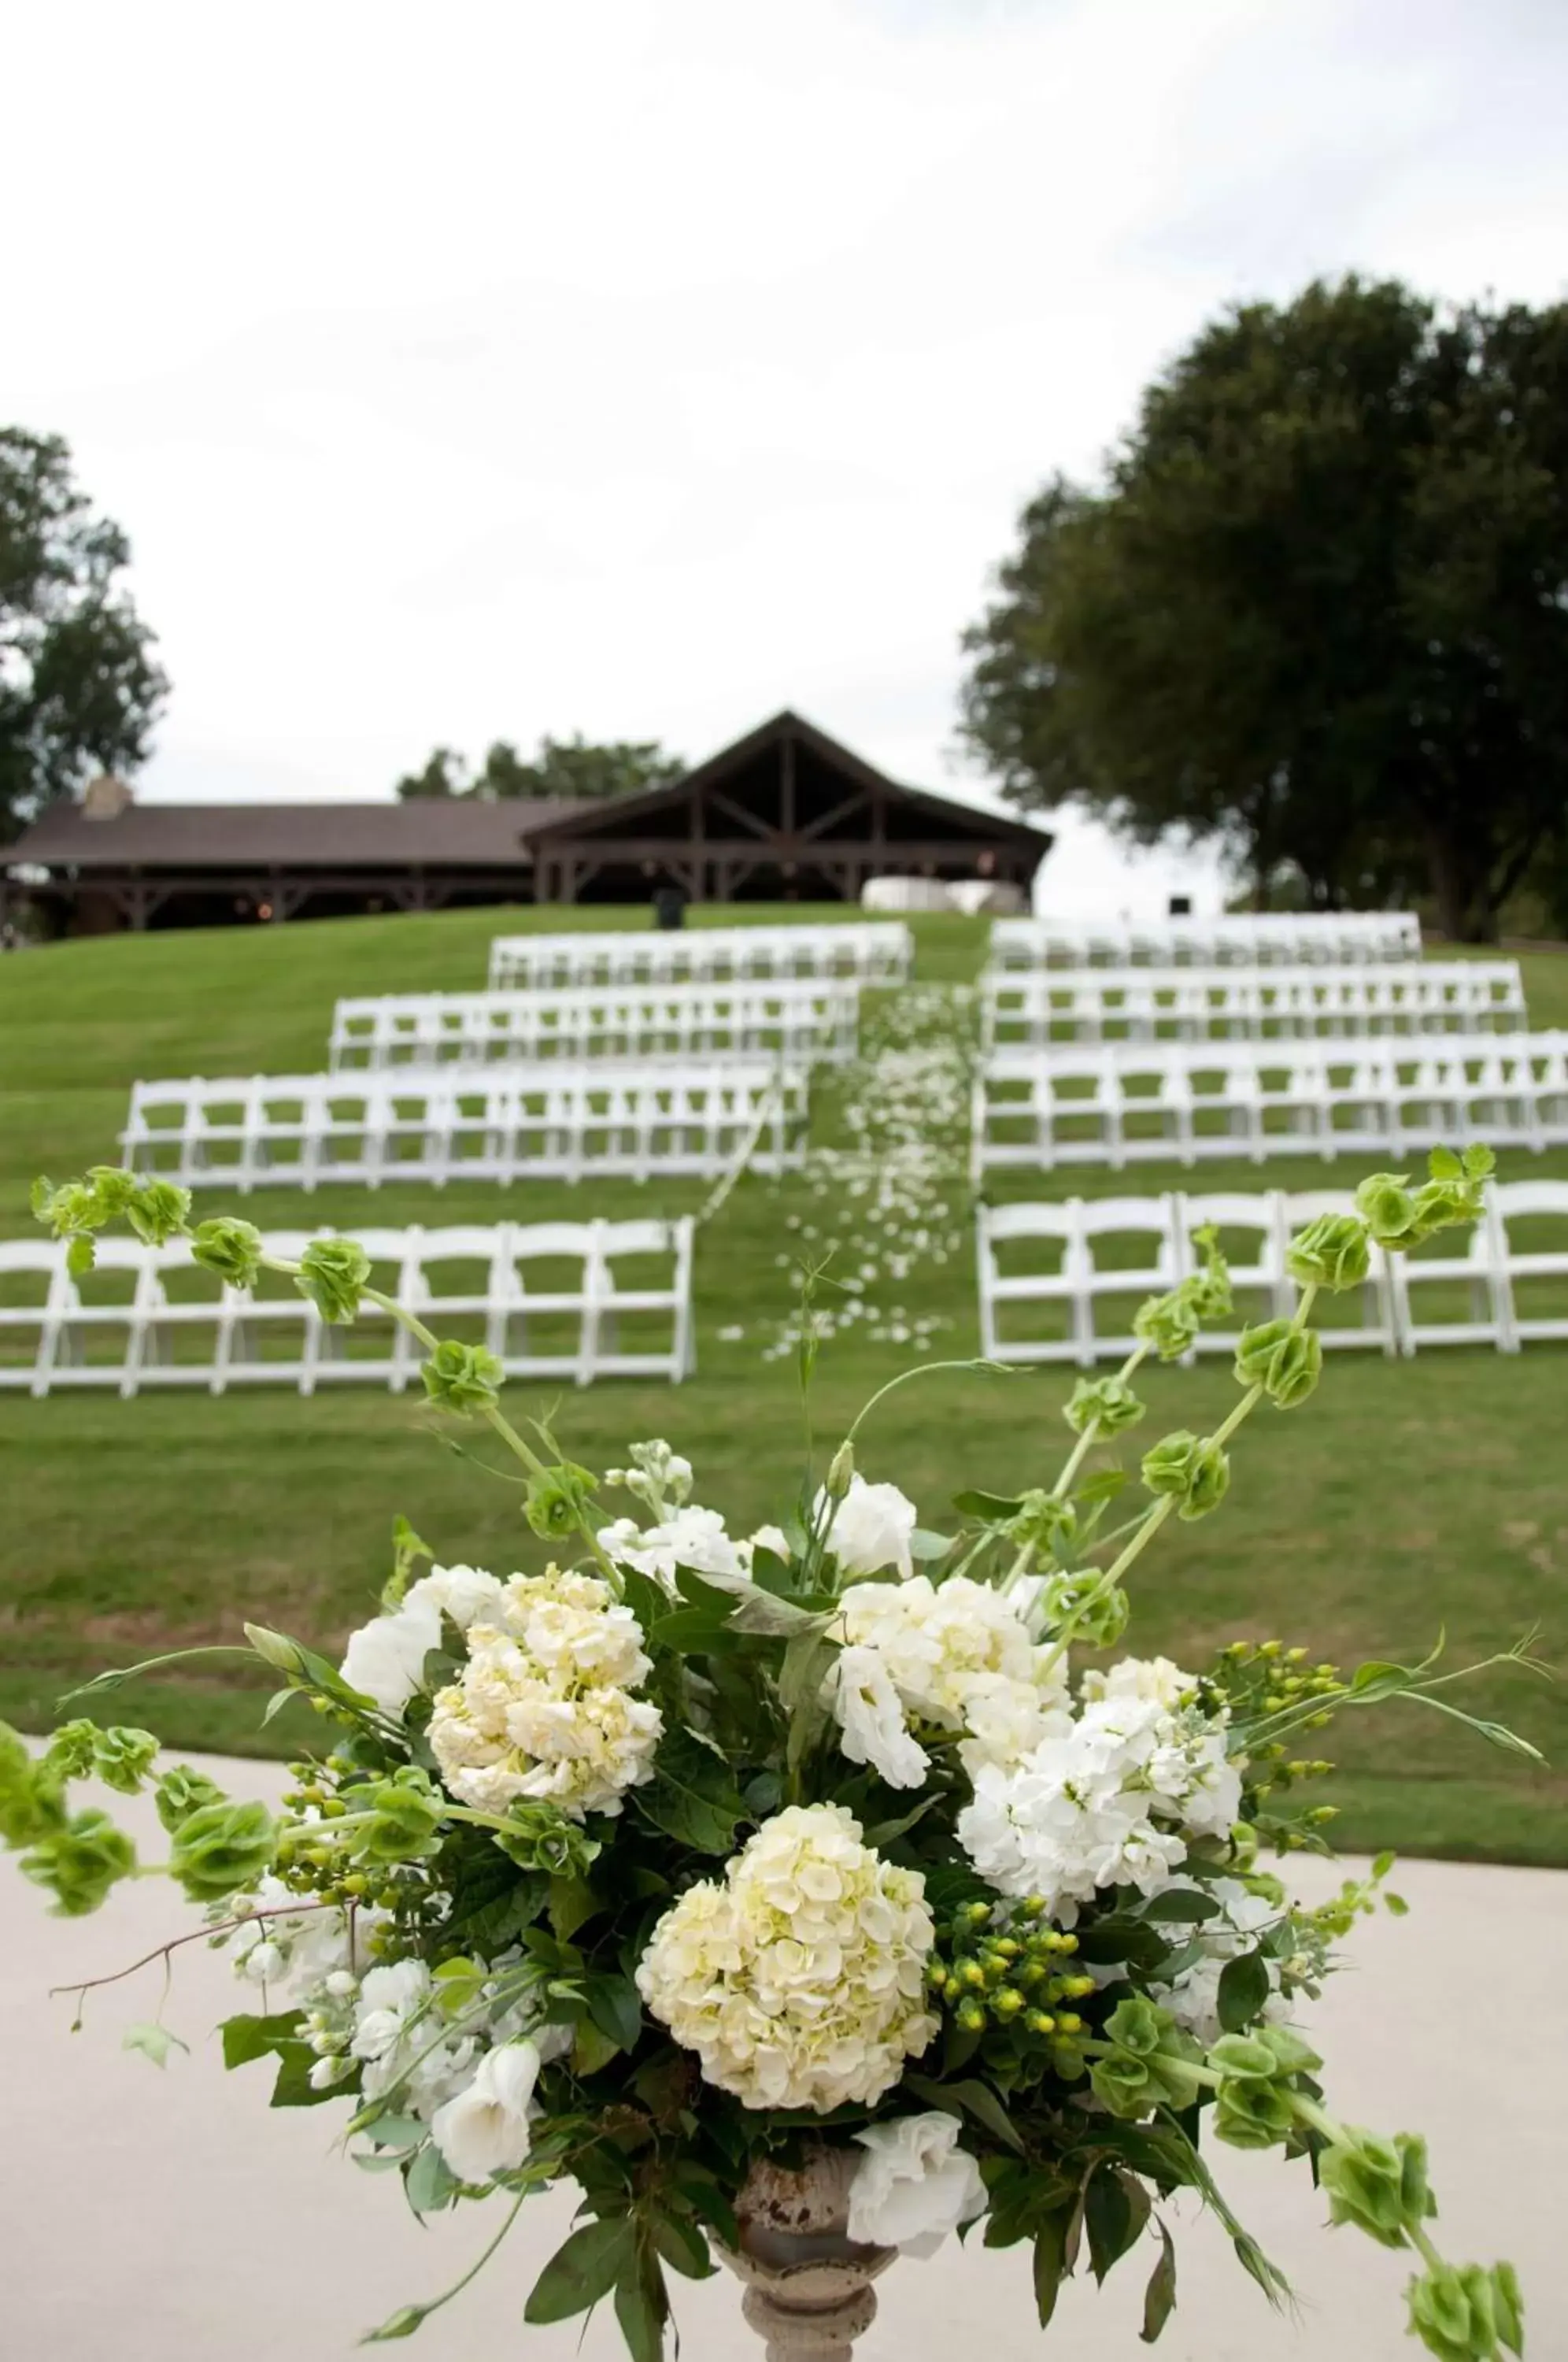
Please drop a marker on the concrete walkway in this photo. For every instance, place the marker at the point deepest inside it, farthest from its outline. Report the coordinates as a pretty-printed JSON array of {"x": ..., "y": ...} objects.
[{"x": 174, "y": 2217}]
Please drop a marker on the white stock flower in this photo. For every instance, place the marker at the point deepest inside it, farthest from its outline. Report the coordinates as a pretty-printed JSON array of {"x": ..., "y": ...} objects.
[
  {"x": 1109, "y": 1799},
  {"x": 692, "y": 1538},
  {"x": 544, "y": 1706},
  {"x": 1193, "y": 1999},
  {"x": 871, "y": 1529},
  {"x": 801, "y": 1981},
  {"x": 467, "y": 1594},
  {"x": 913, "y": 2185},
  {"x": 870, "y": 1714},
  {"x": 484, "y": 2129},
  {"x": 1155, "y": 1680},
  {"x": 385, "y": 1658}
]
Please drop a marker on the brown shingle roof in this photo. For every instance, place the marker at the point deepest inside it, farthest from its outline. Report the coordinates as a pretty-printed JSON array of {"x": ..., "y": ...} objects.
[{"x": 427, "y": 831}]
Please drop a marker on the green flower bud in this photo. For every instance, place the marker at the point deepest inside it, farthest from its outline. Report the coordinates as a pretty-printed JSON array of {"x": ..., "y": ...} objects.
[
  {"x": 539, "y": 1836},
  {"x": 841, "y": 1472},
  {"x": 220, "y": 1850},
  {"x": 462, "y": 1378},
  {"x": 1464, "y": 2313},
  {"x": 182, "y": 1792},
  {"x": 404, "y": 1818},
  {"x": 1193, "y": 1468},
  {"x": 157, "y": 1210},
  {"x": 30, "y": 1800},
  {"x": 1386, "y": 1204},
  {"x": 230, "y": 1248},
  {"x": 554, "y": 1502},
  {"x": 332, "y": 1273},
  {"x": 69, "y": 1750},
  {"x": 79, "y": 1860},
  {"x": 1286, "y": 1361},
  {"x": 1108, "y": 1405},
  {"x": 121, "y": 1758},
  {"x": 1252, "y": 2114},
  {"x": 1333, "y": 1252},
  {"x": 1380, "y": 2185},
  {"x": 1096, "y": 1611},
  {"x": 1168, "y": 1323}
]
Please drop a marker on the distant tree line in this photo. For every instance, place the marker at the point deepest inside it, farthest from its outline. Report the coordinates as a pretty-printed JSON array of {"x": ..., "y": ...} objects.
[
  {"x": 79, "y": 689},
  {"x": 1318, "y": 609},
  {"x": 568, "y": 769}
]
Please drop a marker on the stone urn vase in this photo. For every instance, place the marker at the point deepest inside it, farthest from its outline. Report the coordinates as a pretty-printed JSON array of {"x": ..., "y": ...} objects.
[{"x": 809, "y": 2292}]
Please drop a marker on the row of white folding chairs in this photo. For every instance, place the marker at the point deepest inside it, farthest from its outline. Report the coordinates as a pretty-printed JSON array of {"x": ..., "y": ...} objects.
[
  {"x": 546, "y": 1122},
  {"x": 1127, "y": 1103},
  {"x": 875, "y": 951},
  {"x": 1096, "y": 1299},
  {"x": 1242, "y": 939},
  {"x": 1043, "y": 1005},
  {"x": 81, "y": 1335},
  {"x": 803, "y": 1020}
]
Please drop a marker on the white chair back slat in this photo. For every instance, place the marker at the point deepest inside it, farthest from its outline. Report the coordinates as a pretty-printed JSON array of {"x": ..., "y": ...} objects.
[
  {"x": 1467, "y": 1296},
  {"x": 1238, "y": 939},
  {"x": 803, "y": 1020},
  {"x": 134, "y": 1336},
  {"x": 552, "y": 1121},
  {"x": 871, "y": 952},
  {"x": 1043, "y": 1006},
  {"x": 1124, "y": 1103}
]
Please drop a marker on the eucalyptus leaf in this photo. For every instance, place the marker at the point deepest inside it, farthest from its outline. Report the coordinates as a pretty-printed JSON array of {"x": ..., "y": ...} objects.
[{"x": 585, "y": 2268}]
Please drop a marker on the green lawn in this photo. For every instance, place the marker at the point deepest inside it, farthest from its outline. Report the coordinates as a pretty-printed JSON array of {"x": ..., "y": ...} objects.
[{"x": 1403, "y": 1498}]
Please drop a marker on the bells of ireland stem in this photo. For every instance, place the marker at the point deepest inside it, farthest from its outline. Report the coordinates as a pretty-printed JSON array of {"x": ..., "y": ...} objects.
[
  {"x": 1284, "y": 1360},
  {"x": 1466, "y": 2312},
  {"x": 222, "y": 1850},
  {"x": 1108, "y": 1404},
  {"x": 1335, "y": 1252}
]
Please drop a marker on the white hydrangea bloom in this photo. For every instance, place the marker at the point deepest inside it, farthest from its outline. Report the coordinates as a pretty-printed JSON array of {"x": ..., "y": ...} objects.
[
  {"x": 544, "y": 1706},
  {"x": 692, "y": 1538},
  {"x": 465, "y": 1595},
  {"x": 915, "y": 2184},
  {"x": 1109, "y": 1799},
  {"x": 801, "y": 1981},
  {"x": 871, "y": 1529}
]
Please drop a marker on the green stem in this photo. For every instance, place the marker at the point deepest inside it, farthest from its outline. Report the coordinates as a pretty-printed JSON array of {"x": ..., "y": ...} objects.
[
  {"x": 924, "y": 1370},
  {"x": 1244, "y": 1409},
  {"x": 1148, "y": 1528}
]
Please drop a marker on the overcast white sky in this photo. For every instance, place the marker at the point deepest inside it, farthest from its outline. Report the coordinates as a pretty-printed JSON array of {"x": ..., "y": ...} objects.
[{"x": 641, "y": 366}]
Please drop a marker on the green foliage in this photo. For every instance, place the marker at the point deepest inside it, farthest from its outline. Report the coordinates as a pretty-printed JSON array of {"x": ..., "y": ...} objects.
[
  {"x": 79, "y": 689},
  {"x": 1306, "y": 610},
  {"x": 570, "y": 769},
  {"x": 693, "y": 1796}
]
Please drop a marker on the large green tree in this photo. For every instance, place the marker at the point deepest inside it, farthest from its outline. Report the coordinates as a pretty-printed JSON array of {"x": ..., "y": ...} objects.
[
  {"x": 1318, "y": 609},
  {"x": 569, "y": 769},
  {"x": 78, "y": 688}
]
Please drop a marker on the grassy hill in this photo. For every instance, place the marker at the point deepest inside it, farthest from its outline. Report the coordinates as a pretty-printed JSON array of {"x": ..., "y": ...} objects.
[{"x": 1403, "y": 1498}]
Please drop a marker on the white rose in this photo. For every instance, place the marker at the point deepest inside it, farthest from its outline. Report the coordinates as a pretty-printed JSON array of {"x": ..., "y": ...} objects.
[
  {"x": 913, "y": 2185},
  {"x": 484, "y": 2130},
  {"x": 870, "y": 1713},
  {"x": 871, "y": 1529},
  {"x": 466, "y": 1594},
  {"x": 385, "y": 1658}
]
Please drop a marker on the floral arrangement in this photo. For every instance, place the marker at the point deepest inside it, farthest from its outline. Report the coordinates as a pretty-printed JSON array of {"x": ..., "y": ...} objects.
[{"x": 683, "y": 1853}]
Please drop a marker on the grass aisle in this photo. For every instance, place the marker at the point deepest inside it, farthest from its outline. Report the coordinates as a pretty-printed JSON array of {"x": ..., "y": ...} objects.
[{"x": 1402, "y": 1497}]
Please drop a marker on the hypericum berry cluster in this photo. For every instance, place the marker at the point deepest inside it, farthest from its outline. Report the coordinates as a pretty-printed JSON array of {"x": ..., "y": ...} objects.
[
  {"x": 313, "y": 1863},
  {"x": 1259, "y": 1679},
  {"x": 999, "y": 1966}
]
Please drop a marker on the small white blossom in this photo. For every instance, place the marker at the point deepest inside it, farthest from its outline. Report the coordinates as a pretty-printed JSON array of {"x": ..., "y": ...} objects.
[
  {"x": 692, "y": 1538},
  {"x": 915, "y": 2184},
  {"x": 870, "y": 1714},
  {"x": 871, "y": 1529},
  {"x": 484, "y": 2129}
]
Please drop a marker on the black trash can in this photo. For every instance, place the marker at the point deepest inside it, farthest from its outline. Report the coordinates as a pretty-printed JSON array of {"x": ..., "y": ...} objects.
[{"x": 669, "y": 907}]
